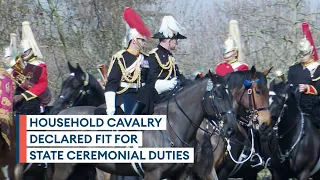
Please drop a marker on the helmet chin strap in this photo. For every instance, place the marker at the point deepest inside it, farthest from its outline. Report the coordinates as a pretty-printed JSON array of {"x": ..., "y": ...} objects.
[{"x": 138, "y": 44}]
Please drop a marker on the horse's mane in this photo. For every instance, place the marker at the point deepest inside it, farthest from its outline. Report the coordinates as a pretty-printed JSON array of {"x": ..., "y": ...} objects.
[
  {"x": 218, "y": 79},
  {"x": 95, "y": 84},
  {"x": 236, "y": 79},
  {"x": 195, "y": 82}
]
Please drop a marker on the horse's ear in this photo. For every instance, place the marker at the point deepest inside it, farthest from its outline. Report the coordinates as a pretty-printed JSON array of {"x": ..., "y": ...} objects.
[
  {"x": 253, "y": 72},
  {"x": 71, "y": 68},
  {"x": 79, "y": 69},
  {"x": 210, "y": 73},
  {"x": 266, "y": 72}
]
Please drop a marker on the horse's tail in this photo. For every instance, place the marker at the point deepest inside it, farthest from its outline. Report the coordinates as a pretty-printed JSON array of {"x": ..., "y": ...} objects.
[{"x": 207, "y": 154}]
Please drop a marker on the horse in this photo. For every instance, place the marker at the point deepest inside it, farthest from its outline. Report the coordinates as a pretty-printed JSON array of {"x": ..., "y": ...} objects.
[
  {"x": 257, "y": 101},
  {"x": 187, "y": 109},
  {"x": 80, "y": 88},
  {"x": 297, "y": 143}
]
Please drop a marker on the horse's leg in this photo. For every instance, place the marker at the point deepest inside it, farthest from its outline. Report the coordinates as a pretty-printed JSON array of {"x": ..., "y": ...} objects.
[
  {"x": 49, "y": 172},
  {"x": 5, "y": 171},
  {"x": 223, "y": 174},
  {"x": 153, "y": 175},
  {"x": 62, "y": 171},
  {"x": 304, "y": 175},
  {"x": 213, "y": 175}
]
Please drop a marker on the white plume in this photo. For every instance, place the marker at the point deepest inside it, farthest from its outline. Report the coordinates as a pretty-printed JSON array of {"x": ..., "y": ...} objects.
[{"x": 170, "y": 27}]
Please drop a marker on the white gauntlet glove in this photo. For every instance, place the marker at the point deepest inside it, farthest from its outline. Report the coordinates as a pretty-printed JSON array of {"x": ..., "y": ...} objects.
[
  {"x": 110, "y": 102},
  {"x": 165, "y": 85}
]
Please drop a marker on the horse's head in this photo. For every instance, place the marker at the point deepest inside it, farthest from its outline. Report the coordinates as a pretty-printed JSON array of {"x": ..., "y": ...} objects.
[
  {"x": 72, "y": 89},
  {"x": 251, "y": 93},
  {"x": 278, "y": 92},
  {"x": 218, "y": 105}
]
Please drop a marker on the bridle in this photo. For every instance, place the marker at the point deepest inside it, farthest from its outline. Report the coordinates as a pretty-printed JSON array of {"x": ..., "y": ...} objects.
[
  {"x": 82, "y": 92},
  {"x": 217, "y": 114},
  {"x": 253, "y": 110}
]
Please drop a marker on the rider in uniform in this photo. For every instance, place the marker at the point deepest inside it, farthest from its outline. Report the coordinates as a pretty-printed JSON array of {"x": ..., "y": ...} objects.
[
  {"x": 305, "y": 76},
  {"x": 127, "y": 89},
  {"x": 33, "y": 92},
  {"x": 162, "y": 62},
  {"x": 232, "y": 53}
]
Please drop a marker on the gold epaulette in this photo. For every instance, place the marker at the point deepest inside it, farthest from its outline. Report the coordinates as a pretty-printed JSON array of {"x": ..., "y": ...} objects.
[
  {"x": 115, "y": 57},
  {"x": 169, "y": 66},
  {"x": 145, "y": 54},
  {"x": 118, "y": 55},
  {"x": 153, "y": 51}
]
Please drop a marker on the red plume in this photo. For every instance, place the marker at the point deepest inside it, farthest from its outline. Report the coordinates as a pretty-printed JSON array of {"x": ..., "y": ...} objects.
[
  {"x": 134, "y": 21},
  {"x": 307, "y": 33}
]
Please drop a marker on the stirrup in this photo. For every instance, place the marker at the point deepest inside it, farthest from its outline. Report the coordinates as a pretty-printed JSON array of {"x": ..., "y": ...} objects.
[{"x": 261, "y": 162}]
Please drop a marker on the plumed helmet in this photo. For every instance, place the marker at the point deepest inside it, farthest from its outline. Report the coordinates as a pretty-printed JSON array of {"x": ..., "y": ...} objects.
[
  {"x": 230, "y": 45},
  {"x": 306, "y": 44},
  {"x": 28, "y": 41},
  {"x": 304, "y": 47},
  {"x": 10, "y": 53},
  {"x": 8, "y": 58},
  {"x": 170, "y": 29},
  {"x": 233, "y": 42},
  {"x": 135, "y": 27}
]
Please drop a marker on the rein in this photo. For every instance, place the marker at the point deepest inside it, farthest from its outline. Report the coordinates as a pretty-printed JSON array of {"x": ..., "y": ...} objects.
[
  {"x": 209, "y": 89},
  {"x": 287, "y": 153},
  {"x": 218, "y": 115}
]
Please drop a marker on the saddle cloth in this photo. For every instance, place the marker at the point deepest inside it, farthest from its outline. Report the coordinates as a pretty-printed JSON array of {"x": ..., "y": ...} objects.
[{"x": 7, "y": 91}]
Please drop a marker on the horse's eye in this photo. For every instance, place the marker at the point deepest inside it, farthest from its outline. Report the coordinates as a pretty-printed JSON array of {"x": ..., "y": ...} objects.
[{"x": 258, "y": 92}]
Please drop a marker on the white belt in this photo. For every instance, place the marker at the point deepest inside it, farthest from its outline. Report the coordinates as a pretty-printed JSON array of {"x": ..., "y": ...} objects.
[{"x": 133, "y": 85}]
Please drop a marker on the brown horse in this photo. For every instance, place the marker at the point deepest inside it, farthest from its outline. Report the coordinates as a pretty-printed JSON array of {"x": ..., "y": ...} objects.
[
  {"x": 185, "y": 112},
  {"x": 251, "y": 101}
]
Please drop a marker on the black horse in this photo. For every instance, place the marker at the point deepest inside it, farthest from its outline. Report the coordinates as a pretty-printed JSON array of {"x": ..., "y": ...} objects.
[
  {"x": 80, "y": 89},
  {"x": 185, "y": 112},
  {"x": 297, "y": 143}
]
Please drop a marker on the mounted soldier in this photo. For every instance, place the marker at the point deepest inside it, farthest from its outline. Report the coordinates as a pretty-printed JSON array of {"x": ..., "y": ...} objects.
[
  {"x": 162, "y": 63},
  {"x": 305, "y": 76},
  {"x": 232, "y": 52},
  {"x": 127, "y": 90},
  {"x": 30, "y": 74}
]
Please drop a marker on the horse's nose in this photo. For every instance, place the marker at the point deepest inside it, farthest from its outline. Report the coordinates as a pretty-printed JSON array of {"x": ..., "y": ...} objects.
[{"x": 230, "y": 132}]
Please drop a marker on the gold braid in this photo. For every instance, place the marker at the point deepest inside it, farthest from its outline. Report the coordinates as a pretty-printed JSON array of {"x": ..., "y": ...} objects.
[
  {"x": 126, "y": 76},
  {"x": 168, "y": 66}
]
